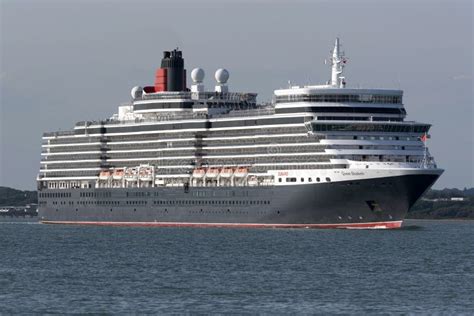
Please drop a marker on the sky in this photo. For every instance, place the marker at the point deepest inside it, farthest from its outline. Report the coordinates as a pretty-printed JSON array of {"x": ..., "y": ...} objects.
[{"x": 68, "y": 61}]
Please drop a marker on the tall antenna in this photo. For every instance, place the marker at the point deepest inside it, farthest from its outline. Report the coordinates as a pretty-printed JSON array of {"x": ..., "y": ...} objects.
[{"x": 338, "y": 62}]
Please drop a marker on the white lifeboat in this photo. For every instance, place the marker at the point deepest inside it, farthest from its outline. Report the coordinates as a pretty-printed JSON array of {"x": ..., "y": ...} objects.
[
  {"x": 104, "y": 175},
  {"x": 199, "y": 173},
  {"x": 131, "y": 174},
  {"x": 146, "y": 173},
  {"x": 118, "y": 174},
  {"x": 227, "y": 172},
  {"x": 241, "y": 172},
  {"x": 212, "y": 173},
  {"x": 253, "y": 180}
]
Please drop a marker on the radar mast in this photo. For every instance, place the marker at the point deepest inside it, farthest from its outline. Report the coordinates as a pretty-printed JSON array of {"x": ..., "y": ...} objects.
[{"x": 338, "y": 62}]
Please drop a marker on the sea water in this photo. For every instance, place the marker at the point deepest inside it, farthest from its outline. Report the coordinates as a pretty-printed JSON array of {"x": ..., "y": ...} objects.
[{"x": 427, "y": 267}]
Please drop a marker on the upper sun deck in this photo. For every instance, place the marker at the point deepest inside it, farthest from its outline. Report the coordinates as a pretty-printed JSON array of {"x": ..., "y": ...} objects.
[
  {"x": 335, "y": 89},
  {"x": 338, "y": 95},
  {"x": 193, "y": 96},
  {"x": 328, "y": 89}
]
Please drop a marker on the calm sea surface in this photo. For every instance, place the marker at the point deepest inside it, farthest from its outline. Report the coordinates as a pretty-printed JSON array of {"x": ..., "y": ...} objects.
[{"x": 427, "y": 267}]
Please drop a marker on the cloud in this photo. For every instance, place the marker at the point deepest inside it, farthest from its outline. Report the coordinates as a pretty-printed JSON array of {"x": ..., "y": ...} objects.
[{"x": 462, "y": 77}]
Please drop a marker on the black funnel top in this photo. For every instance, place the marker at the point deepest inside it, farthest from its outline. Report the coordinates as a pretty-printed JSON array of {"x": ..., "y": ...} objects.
[{"x": 173, "y": 62}]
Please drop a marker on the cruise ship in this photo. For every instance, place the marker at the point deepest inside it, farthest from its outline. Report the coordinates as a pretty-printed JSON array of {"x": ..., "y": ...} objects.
[{"x": 317, "y": 156}]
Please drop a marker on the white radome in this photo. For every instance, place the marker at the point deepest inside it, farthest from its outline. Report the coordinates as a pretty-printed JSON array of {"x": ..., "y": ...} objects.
[
  {"x": 135, "y": 91},
  {"x": 221, "y": 75},
  {"x": 197, "y": 75}
]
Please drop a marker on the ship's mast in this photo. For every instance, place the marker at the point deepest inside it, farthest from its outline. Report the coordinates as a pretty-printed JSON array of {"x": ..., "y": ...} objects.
[{"x": 338, "y": 61}]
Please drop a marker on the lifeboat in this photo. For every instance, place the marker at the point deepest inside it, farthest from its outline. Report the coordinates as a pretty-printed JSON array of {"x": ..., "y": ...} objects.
[
  {"x": 131, "y": 174},
  {"x": 146, "y": 173},
  {"x": 104, "y": 175},
  {"x": 118, "y": 174},
  {"x": 227, "y": 172},
  {"x": 212, "y": 173},
  {"x": 253, "y": 180},
  {"x": 199, "y": 173},
  {"x": 241, "y": 172}
]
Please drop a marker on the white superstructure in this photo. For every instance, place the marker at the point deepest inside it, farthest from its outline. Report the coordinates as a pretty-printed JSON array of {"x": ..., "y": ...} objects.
[{"x": 310, "y": 134}]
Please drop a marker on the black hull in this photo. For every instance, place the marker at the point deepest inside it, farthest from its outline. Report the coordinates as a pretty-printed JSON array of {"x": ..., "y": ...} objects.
[{"x": 352, "y": 203}]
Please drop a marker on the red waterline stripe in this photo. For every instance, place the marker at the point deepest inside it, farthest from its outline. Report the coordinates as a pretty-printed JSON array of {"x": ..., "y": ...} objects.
[{"x": 370, "y": 225}]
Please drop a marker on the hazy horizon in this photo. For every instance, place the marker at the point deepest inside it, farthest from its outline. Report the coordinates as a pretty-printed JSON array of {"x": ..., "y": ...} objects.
[{"x": 63, "y": 62}]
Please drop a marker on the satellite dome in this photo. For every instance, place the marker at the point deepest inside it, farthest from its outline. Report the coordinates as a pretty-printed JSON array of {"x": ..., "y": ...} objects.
[
  {"x": 222, "y": 75},
  {"x": 136, "y": 92},
  {"x": 197, "y": 75}
]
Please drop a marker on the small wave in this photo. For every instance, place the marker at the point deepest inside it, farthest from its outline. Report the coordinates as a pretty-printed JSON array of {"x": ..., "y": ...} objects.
[
  {"x": 19, "y": 222},
  {"x": 411, "y": 227}
]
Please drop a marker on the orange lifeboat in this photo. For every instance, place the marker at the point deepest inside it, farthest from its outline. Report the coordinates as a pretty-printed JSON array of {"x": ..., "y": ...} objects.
[
  {"x": 241, "y": 172},
  {"x": 227, "y": 172},
  {"x": 212, "y": 173},
  {"x": 118, "y": 174},
  {"x": 104, "y": 175},
  {"x": 199, "y": 173}
]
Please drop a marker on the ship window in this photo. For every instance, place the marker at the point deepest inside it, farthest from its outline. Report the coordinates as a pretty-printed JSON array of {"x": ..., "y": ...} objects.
[
  {"x": 279, "y": 179},
  {"x": 328, "y": 179},
  {"x": 318, "y": 179},
  {"x": 302, "y": 179},
  {"x": 310, "y": 180}
]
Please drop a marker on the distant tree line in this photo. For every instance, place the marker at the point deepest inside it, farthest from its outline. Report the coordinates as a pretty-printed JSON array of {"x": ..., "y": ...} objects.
[
  {"x": 437, "y": 204},
  {"x": 13, "y": 197}
]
